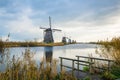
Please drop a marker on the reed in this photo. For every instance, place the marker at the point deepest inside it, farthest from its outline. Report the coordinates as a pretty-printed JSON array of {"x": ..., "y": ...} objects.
[
  {"x": 26, "y": 69},
  {"x": 111, "y": 50}
]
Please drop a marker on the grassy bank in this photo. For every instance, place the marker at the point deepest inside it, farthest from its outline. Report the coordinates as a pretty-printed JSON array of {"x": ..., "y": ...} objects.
[{"x": 30, "y": 44}]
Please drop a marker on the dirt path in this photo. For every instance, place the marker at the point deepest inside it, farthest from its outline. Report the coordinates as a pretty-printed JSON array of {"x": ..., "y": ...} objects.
[{"x": 83, "y": 75}]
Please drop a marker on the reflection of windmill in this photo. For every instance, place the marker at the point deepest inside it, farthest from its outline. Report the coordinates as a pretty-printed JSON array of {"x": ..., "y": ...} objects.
[
  {"x": 48, "y": 54},
  {"x": 48, "y": 35}
]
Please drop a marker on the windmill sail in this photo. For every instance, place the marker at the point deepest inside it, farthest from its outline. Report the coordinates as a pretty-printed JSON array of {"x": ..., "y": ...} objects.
[
  {"x": 56, "y": 30},
  {"x": 50, "y": 22},
  {"x": 42, "y": 28}
]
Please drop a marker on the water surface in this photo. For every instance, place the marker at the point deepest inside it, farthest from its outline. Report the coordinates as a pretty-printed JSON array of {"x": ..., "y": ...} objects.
[{"x": 50, "y": 53}]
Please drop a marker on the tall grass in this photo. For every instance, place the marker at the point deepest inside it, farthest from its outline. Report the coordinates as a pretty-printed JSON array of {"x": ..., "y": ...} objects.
[
  {"x": 26, "y": 69},
  {"x": 111, "y": 49}
]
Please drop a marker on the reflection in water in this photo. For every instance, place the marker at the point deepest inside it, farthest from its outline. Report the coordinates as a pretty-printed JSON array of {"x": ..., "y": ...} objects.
[{"x": 48, "y": 54}]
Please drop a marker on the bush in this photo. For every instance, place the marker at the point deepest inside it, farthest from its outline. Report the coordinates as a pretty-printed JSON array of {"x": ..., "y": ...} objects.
[
  {"x": 108, "y": 76},
  {"x": 87, "y": 78},
  {"x": 86, "y": 68},
  {"x": 116, "y": 71}
]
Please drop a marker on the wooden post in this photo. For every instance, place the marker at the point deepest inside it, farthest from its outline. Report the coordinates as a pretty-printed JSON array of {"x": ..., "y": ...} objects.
[
  {"x": 108, "y": 66},
  {"x": 61, "y": 64},
  {"x": 78, "y": 63},
  {"x": 73, "y": 67},
  {"x": 90, "y": 65}
]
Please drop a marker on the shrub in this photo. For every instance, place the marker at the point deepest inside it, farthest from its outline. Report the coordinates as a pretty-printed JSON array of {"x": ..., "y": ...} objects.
[
  {"x": 86, "y": 68},
  {"x": 116, "y": 71},
  {"x": 108, "y": 76}
]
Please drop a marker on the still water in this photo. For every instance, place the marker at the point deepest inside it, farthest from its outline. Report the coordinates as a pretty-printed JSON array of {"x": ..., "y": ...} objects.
[{"x": 50, "y": 53}]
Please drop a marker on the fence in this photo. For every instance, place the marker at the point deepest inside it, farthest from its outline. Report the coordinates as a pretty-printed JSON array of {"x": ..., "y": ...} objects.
[{"x": 90, "y": 62}]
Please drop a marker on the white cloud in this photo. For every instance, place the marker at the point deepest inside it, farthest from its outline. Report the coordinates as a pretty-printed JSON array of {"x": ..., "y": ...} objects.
[
  {"x": 23, "y": 26},
  {"x": 91, "y": 26},
  {"x": 107, "y": 26}
]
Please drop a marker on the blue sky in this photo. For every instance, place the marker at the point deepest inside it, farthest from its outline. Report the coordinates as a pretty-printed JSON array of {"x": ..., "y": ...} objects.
[{"x": 82, "y": 20}]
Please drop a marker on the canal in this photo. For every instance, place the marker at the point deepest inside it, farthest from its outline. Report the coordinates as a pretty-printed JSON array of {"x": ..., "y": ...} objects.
[{"x": 48, "y": 53}]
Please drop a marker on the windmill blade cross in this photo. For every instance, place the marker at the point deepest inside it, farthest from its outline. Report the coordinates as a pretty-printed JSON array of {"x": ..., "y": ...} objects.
[
  {"x": 43, "y": 28},
  {"x": 56, "y": 30}
]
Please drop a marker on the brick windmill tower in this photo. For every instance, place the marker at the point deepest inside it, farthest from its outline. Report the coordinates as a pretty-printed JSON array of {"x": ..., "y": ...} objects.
[{"x": 48, "y": 33}]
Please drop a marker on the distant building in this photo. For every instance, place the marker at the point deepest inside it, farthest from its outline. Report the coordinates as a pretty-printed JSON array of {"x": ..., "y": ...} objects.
[
  {"x": 64, "y": 40},
  {"x": 69, "y": 41}
]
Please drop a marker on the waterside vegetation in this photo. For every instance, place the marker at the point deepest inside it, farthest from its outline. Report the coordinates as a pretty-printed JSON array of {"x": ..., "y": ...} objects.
[
  {"x": 26, "y": 68},
  {"x": 111, "y": 50}
]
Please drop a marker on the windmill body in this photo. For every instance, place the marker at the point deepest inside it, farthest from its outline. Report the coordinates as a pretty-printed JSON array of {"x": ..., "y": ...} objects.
[
  {"x": 48, "y": 36},
  {"x": 48, "y": 33}
]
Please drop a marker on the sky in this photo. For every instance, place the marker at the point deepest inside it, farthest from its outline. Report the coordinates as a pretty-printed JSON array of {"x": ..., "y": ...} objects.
[{"x": 80, "y": 20}]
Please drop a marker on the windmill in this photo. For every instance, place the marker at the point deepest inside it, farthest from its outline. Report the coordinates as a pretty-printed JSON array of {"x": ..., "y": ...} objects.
[{"x": 48, "y": 33}]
